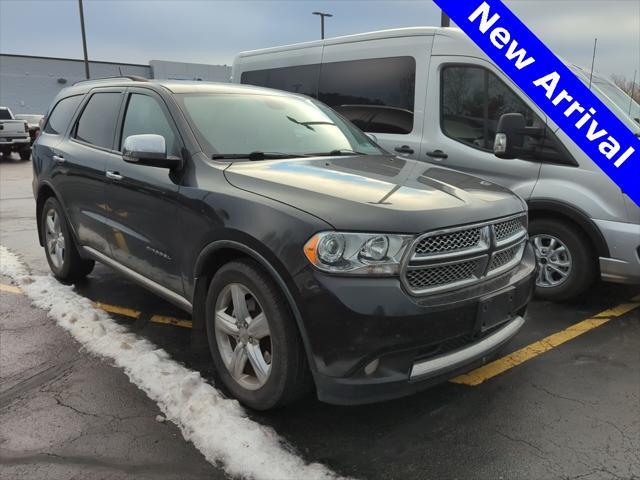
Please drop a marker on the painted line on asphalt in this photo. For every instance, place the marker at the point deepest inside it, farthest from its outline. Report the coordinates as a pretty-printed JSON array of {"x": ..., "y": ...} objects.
[
  {"x": 118, "y": 310},
  {"x": 10, "y": 289},
  {"x": 490, "y": 370},
  {"x": 170, "y": 321}
]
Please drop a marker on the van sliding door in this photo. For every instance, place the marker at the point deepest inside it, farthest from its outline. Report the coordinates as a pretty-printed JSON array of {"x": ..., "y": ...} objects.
[{"x": 379, "y": 86}]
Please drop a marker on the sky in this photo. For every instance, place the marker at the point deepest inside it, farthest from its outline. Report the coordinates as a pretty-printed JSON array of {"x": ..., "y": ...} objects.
[{"x": 213, "y": 31}]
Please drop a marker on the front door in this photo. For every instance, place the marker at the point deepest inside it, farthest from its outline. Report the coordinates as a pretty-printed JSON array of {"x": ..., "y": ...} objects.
[
  {"x": 466, "y": 98},
  {"x": 145, "y": 234}
]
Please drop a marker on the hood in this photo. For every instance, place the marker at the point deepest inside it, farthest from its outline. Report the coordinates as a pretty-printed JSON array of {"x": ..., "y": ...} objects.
[{"x": 376, "y": 193}]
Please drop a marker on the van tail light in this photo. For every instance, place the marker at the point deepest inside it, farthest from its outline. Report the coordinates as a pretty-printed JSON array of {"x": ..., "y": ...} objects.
[
  {"x": 36, "y": 134},
  {"x": 26, "y": 127}
]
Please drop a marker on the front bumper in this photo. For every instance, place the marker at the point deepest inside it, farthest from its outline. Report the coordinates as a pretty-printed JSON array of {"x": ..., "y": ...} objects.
[
  {"x": 623, "y": 240},
  {"x": 371, "y": 341}
]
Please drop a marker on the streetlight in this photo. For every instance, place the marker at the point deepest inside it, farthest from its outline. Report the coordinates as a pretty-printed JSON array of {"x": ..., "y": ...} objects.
[
  {"x": 84, "y": 40},
  {"x": 322, "y": 15}
]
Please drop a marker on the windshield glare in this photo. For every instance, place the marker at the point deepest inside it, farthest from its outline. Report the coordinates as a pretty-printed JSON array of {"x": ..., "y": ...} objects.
[{"x": 245, "y": 123}]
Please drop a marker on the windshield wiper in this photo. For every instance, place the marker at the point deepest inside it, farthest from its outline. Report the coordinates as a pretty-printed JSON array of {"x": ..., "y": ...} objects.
[
  {"x": 257, "y": 155},
  {"x": 340, "y": 151},
  {"x": 308, "y": 124}
]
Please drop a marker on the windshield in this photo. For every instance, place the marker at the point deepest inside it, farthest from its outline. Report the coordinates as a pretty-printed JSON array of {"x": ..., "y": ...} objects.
[
  {"x": 239, "y": 124},
  {"x": 611, "y": 96}
]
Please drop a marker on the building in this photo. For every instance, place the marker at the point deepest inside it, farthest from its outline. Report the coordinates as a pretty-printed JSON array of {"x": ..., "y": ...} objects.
[{"x": 28, "y": 84}]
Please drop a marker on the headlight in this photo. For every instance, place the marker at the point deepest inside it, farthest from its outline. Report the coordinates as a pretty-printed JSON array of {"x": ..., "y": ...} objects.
[{"x": 357, "y": 253}]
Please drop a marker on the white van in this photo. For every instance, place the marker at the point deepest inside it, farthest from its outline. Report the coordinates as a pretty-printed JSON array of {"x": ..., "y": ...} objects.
[{"x": 432, "y": 95}]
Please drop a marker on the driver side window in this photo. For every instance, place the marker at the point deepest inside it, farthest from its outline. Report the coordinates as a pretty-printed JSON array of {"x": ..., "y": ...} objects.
[
  {"x": 472, "y": 101},
  {"x": 145, "y": 115}
]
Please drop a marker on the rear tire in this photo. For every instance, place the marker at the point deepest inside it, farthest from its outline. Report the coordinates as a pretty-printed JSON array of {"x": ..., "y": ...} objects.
[
  {"x": 272, "y": 371},
  {"x": 60, "y": 249},
  {"x": 25, "y": 154},
  {"x": 566, "y": 263},
  {"x": 6, "y": 152}
]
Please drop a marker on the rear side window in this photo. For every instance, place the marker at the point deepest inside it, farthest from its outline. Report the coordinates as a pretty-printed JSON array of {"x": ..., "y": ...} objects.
[
  {"x": 61, "y": 114},
  {"x": 298, "y": 79},
  {"x": 377, "y": 95},
  {"x": 145, "y": 115},
  {"x": 97, "y": 124},
  {"x": 473, "y": 100}
]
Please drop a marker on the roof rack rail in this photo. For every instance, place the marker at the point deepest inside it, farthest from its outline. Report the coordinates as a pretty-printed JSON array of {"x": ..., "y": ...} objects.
[{"x": 133, "y": 78}]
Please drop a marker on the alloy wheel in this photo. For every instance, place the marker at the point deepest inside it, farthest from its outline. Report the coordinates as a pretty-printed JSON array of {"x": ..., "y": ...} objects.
[
  {"x": 243, "y": 336},
  {"x": 54, "y": 238},
  {"x": 554, "y": 260}
]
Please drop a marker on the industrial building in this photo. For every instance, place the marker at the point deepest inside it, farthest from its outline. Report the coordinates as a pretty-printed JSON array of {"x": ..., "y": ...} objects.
[{"x": 28, "y": 84}]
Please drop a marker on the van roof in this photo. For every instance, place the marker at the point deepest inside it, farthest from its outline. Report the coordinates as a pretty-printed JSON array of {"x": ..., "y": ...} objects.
[{"x": 359, "y": 37}]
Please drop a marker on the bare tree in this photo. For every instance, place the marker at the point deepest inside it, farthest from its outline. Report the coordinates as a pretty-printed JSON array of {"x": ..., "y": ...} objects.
[{"x": 628, "y": 86}]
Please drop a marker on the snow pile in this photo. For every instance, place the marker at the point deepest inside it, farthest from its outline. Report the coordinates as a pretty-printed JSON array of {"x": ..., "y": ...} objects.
[{"x": 217, "y": 426}]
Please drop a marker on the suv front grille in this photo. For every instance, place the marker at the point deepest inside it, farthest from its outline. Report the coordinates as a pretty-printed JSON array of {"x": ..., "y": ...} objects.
[
  {"x": 438, "y": 275},
  {"x": 448, "y": 242},
  {"x": 448, "y": 259}
]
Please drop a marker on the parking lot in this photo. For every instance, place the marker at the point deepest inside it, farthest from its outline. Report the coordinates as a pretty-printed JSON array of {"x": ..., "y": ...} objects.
[{"x": 562, "y": 402}]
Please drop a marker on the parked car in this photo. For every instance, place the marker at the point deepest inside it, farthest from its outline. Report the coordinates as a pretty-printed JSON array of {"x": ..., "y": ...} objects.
[
  {"x": 430, "y": 94},
  {"x": 14, "y": 135},
  {"x": 33, "y": 122},
  {"x": 306, "y": 252}
]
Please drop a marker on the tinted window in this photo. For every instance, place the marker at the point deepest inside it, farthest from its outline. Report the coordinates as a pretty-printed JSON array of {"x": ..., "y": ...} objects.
[
  {"x": 145, "y": 115},
  {"x": 4, "y": 114},
  {"x": 61, "y": 115},
  {"x": 97, "y": 124},
  {"x": 473, "y": 100},
  {"x": 377, "y": 95},
  {"x": 298, "y": 79}
]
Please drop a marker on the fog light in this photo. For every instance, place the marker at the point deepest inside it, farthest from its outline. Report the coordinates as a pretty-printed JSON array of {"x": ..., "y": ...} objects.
[{"x": 371, "y": 367}]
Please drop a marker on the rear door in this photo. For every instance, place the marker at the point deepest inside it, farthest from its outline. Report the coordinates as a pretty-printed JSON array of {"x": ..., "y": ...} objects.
[
  {"x": 79, "y": 163},
  {"x": 142, "y": 201},
  {"x": 466, "y": 97},
  {"x": 379, "y": 86}
]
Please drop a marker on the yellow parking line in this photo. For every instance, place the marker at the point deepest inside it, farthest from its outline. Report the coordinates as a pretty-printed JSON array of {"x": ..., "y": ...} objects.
[
  {"x": 490, "y": 370},
  {"x": 171, "y": 321},
  {"x": 126, "y": 312},
  {"x": 10, "y": 289}
]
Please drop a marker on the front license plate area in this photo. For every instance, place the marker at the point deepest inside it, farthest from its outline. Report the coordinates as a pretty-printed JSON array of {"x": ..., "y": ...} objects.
[{"x": 495, "y": 309}]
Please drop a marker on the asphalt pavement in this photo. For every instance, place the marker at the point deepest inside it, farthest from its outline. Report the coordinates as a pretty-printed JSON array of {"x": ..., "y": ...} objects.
[{"x": 567, "y": 405}]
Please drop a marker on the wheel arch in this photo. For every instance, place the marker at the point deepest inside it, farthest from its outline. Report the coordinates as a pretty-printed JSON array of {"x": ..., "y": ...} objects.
[
  {"x": 45, "y": 191},
  {"x": 545, "y": 208},
  {"x": 217, "y": 254}
]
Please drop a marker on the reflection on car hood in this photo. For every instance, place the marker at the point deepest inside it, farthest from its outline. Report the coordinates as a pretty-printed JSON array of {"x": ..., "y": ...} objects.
[{"x": 376, "y": 193}]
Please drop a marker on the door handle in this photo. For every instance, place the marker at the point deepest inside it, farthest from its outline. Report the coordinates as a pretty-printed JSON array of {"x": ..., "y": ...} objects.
[
  {"x": 439, "y": 154},
  {"x": 114, "y": 175},
  {"x": 404, "y": 149},
  {"x": 58, "y": 159}
]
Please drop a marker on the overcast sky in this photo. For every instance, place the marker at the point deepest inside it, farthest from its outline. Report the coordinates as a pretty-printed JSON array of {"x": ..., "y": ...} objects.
[{"x": 208, "y": 31}]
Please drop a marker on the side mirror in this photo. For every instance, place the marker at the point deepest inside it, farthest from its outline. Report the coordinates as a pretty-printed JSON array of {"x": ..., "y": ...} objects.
[
  {"x": 510, "y": 134},
  {"x": 150, "y": 150}
]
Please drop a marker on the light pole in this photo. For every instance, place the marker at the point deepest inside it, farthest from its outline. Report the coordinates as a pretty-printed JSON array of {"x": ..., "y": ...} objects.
[
  {"x": 84, "y": 41},
  {"x": 322, "y": 15}
]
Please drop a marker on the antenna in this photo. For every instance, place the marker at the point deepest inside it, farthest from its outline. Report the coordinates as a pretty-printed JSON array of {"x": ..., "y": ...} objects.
[{"x": 593, "y": 62}]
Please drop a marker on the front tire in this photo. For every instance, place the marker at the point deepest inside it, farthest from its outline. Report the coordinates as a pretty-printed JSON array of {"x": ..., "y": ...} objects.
[
  {"x": 566, "y": 264},
  {"x": 256, "y": 348},
  {"x": 60, "y": 249}
]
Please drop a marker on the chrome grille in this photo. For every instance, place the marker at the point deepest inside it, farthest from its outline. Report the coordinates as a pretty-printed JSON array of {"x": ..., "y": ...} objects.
[
  {"x": 510, "y": 228},
  {"x": 439, "y": 275},
  {"x": 505, "y": 257},
  {"x": 449, "y": 242},
  {"x": 448, "y": 259}
]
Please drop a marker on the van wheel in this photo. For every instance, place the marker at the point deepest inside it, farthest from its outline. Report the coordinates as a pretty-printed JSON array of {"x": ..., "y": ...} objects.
[
  {"x": 566, "y": 264},
  {"x": 62, "y": 255},
  {"x": 254, "y": 341}
]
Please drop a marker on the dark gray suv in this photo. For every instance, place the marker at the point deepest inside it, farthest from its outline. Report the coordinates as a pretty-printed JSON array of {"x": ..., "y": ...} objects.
[{"x": 308, "y": 255}]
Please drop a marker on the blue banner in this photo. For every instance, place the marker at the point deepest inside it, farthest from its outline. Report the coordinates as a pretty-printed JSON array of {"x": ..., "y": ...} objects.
[{"x": 553, "y": 87}]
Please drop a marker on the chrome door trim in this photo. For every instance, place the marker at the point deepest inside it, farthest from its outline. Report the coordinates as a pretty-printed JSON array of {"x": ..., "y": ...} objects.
[
  {"x": 453, "y": 360},
  {"x": 156, "y": 288}
]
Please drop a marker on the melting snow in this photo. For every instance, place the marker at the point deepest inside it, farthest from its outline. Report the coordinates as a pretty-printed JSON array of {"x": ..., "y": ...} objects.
[{"x": 217, "y": 426}]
